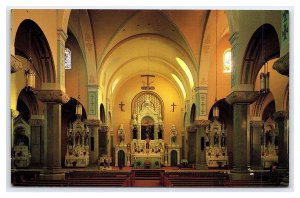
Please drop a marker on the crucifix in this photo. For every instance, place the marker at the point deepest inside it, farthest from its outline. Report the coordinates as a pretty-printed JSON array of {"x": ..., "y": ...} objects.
[
  {"x": 148, "y": 87},
  {"x": 173, "y": 105},
  {"x": 121, "y": 106}
]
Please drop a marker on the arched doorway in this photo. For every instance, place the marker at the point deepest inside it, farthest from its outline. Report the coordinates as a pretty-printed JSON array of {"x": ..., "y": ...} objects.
[
  {"x": 147, "y": 128},
  {"x": 121, "y": 158},
  {"x": 173, "y": 158},
  {"x": 193, "y": 114},
  {"x": 102, "y": 113}
]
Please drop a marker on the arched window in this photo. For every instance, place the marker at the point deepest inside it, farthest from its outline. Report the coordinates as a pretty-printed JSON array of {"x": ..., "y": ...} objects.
[
  {"x": 227, "y": 61},
  {"x": 68, "y": 63}
]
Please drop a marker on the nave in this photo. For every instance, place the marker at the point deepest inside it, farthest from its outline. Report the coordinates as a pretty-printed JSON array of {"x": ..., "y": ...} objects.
[{"x": 192, "y": 97}]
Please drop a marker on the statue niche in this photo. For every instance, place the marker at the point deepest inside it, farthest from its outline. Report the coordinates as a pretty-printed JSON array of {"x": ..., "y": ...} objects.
[
  {"x": 21, "y": 145},
  {"x": 134, "y": 127},
  {"x": 269, "y": 143},
  {"x": 147, "y": 128}
]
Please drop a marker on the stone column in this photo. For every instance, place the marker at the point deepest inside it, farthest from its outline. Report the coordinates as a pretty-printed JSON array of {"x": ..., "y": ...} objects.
[
  {"x": 53, "y": 99},
  {"x": 103, "y": 137},
  {"x": 283, "y": 152},
  {"x": 191, "y": 144},
  {"x": 201, "y": 100},
  {"x": 235, "y": 45},
  {"x": 200, "y": 143},
  {"x": 14, "y": 114},
  {"x": 94, "y": 126},
  {"x": 36, "y": 148},
  {"x": 255, "y": 147},
  {"x": 240, "y": 101},
  {"x": 61, "y": 40},
  {"x": 111, "y": 148}
]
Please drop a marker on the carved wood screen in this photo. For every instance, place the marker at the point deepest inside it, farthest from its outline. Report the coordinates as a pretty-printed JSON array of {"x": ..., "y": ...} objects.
[{"x": 155, "y": 100}]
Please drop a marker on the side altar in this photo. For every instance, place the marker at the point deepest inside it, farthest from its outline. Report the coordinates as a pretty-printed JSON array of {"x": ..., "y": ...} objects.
[
  {"x": 216, "y": 145},
  {"x": 77, "y": 145}
]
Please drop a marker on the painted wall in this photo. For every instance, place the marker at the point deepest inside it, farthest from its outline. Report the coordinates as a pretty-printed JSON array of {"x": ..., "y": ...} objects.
[
  {"x": 164, "y": 89},
  {"x": 223, "y": 79},
  {"x": 277, "y": 84},
  {"x": 78, "y": 71},
  {"x": 41, "y": 18},
  {"x": 246, "y": 23}
]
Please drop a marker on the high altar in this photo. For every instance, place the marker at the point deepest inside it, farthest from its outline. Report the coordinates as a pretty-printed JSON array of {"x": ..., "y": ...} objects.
[{"x": 147, "y": 148}]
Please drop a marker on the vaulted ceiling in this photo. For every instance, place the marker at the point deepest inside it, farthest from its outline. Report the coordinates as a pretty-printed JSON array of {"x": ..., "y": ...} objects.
[{"x": 133, "y": 42}]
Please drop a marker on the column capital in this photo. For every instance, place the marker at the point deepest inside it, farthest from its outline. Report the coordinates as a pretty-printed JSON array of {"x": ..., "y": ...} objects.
[
  {"x": 62, "y": 35},
  {"x": 282, "y": 65},
  {"x": 201, "y": 123},
  {"x": 280, "y": 115},
  {"x": 103, "y": 128},
  {"x": 56, "y": 96},
  {"x": 242, "y": 97},
  {"x": 15, "y": 64},
  {"x": 14, "y": 113},
  {"x": 36, "y": 120},
  {"x": 191, "y": 129},
  {"x": 201, "y": 88},
  {"x": 92, "y": 122},
  {"x": 256, "y": 123},
  {"x": 93, "y": 87}
]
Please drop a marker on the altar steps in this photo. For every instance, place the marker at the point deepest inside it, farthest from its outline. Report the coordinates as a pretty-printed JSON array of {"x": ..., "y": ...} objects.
[{"x": 147, "y": 174}]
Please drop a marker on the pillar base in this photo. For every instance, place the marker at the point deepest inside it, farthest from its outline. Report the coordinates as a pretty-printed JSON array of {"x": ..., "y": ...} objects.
[
  {"x": 241, "y": 176},
  {"x": 257, "y": 167},
  {"x": 52, "y": 174},
  {"x": 201, "y": 167}
]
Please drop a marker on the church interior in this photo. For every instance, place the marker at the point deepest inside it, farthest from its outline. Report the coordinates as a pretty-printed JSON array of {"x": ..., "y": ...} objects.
[{"x": 140, "y": 98}]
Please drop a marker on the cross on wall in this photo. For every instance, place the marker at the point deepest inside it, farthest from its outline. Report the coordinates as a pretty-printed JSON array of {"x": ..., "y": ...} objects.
[
  {"x": 173, "y": 106},
  {"x": 121, "y": 106}
]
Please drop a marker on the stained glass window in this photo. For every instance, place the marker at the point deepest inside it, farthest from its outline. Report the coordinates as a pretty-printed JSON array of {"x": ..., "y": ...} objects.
[
  {"x": 227, "y": 61},
  {"x": 68, "y": 63}
]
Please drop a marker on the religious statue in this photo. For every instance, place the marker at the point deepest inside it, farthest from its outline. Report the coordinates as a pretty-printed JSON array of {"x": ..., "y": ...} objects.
[
  {"x": 78, "y": 139},
  {"x": 173, "y": 133},
  {"x": 134, "y": 127},
  {"x": 160, "y": 128},
  {"x": 223, "y": 140},
  {"x": 86, "y": 139},
  {"x": 216, "y": 139},
  {"x": 70, "y": 140},
  {"x": 121, "y": 133},
  {"x": 269, "y": 137},
  {"x": 147, "y": 142},
  {"x": 207, "y": 139}
]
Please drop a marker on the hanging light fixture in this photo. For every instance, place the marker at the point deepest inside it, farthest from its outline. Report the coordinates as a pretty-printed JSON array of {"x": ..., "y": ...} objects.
[
  {"x": 29, "y": 73},
  {"x": 215, "y": 107},
  {"x": 78, "y": 109},
  {"x": 265, "y": 76}
]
